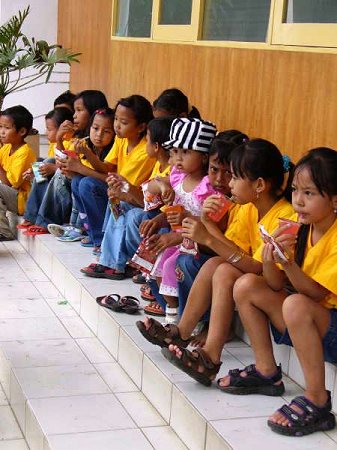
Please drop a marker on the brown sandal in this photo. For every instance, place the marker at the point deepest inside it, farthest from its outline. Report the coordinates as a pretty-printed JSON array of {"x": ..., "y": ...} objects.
[
  {"x": 196, "y": 364},
  {"x": 161, "y": 335}
]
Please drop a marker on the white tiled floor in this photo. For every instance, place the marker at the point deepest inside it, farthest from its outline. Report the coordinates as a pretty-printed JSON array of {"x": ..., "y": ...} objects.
[{"x": 69, "y": 391}]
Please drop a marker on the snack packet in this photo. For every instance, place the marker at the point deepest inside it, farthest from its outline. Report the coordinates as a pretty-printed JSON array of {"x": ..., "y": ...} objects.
[
  {"x": 226, "y": 203},
  {"x": 189, "y": 247},
  {"x": 269, "y": 239},
  {"x": 151, "y": 201},
  {"x": 144, "y": 259},
  {"x": 174, "y": 208}
]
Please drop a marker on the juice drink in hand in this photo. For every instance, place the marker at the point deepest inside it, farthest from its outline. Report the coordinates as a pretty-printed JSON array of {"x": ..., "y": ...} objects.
[
  {"x": 293, "y": 226},
  {"x": 174, "y": 209},
  {"x": 38, "y": 177},
  {"x": 226, "y": 203}
]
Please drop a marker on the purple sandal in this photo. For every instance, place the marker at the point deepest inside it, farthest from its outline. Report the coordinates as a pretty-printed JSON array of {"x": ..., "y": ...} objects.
[{"x": 312, "y": 418}]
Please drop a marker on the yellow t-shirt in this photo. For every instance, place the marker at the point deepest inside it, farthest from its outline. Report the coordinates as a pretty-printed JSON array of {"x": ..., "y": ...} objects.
[
  {"x": 320, "y": 264},
  {"x": 135, "y": 166},
  {"x": 157, "y": 173},
  {"x": 52, "y": 146},
  {"x": 234, "y": 232},
  {"x": 246, "y": 226},
  {"x": 14, "y": 165}
]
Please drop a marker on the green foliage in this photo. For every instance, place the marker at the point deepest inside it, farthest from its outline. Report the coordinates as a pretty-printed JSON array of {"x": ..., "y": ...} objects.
[{"x": 17, "y": 52}]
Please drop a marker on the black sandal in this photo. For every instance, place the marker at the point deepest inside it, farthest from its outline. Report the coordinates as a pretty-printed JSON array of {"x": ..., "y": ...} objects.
[
  {"x": 312, "y": 418},
  {"x": 127, "y": 304},
  {"x": 196, "y": 364},
  {"x": 253, "y": 383}
]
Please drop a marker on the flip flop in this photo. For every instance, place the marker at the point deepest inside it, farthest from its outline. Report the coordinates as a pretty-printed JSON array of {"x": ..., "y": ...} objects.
[
  {"x": 34, "y": 230},
  {"x": 127, "y": 304}
]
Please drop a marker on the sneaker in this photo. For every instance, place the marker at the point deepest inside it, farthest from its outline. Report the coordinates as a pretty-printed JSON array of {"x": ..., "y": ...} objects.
[
  {"x": 56, "y": 230},
  {"x": 71, "y": 235}
]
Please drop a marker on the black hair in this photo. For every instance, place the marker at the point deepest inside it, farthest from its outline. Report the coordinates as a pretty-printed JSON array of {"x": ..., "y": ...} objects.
[
  {"x": 321, "y": 163},
  {"x": 92, "y": 100},
  {"x": 175, "y": 103},
  {"x": 59, "y": 115},
  {"x": 108, "y": 113},
  {"x": 66, "y": 98},
  {"x": 160, "y": 129},
  {"x": 222, "y": 149},
  {"x": 21, "y": 117},
  {"x": 234, "y": 136},
  {"x": 261, "y": 158},
  {"x": 140, "y": 107}
]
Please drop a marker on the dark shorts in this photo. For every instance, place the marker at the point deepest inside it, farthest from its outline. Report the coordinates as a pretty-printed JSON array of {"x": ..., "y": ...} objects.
[{"x": 329, "y": 340}]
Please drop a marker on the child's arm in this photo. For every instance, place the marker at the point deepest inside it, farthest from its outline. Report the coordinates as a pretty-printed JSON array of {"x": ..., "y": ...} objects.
[
  {"x": 100, "y": 166},
  {"x": 125, "y": 191},
  {"x": 3, "y": 177},
  {"x": 151, "y": 226},
  {"x": 160, "y": 242},
  {"x": 74, "y": 165},
  {"x": 66, "y": 127},
  {"x": 274, "y": 277}
]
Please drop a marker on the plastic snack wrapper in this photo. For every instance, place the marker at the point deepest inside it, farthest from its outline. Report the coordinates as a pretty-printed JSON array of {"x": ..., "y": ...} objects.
[
  {"x": 226, "y": 204},
  {"x": 151, "y": 201},
  {"x": 115, "y": 207},
  {"x": 269, "y": 239},
  {"x": 145, "y": 259},
  {"x": 189, "y": 247}
]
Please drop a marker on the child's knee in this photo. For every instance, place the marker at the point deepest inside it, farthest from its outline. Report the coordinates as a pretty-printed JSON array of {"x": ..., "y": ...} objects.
[
  {"x": 245, "y": 286},
  {"x": 295, "y": 310}
]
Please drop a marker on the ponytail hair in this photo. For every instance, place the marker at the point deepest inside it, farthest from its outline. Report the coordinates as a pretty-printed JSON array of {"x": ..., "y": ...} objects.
[{"x": 259, "y": 158}]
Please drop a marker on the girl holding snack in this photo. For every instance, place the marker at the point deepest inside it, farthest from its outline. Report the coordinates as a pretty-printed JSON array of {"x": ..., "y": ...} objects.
[
  {"x": 258, "y": 178},
  {"x": 299, "y": 302}
]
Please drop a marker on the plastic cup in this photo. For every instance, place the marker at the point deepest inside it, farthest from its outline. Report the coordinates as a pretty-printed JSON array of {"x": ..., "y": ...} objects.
[
  {"x": 293, "y": 226},
  {"x": 226, "y": 203},
  {"x": 68, "y": 135},
  {"x": 176, "y": 209},
  {"x": 38, "y": 177}
]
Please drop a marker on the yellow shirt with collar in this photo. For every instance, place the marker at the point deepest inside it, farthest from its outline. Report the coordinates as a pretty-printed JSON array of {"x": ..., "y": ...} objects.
[
  {"x": 14, "y": 165},
  {"x": 246, "y": 226},
  {"x": 135, "y": 166},
  {"x": 156, "y": 172},
  {"x": 320, "y": 264}
]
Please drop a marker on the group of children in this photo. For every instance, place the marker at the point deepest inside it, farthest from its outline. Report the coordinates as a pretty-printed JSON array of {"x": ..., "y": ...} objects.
[{"x": 214, "y": 220}]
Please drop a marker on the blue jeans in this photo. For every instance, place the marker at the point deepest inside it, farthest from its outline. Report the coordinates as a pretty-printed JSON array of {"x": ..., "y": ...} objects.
[
  {"x": 35, "y": 197},
  {"x": 187, "y": 268},
  {"x": 91, "y": 198},
  {"x": 121, "y": 237},
  {"x": 56, "y": 203}
]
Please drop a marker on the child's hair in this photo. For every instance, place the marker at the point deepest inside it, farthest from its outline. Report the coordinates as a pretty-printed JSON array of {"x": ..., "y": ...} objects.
[
  {"x": 21, "y": 117},
  {"x": 321, "y": 163},
  {"x": 92, "y": 100},
  {"x": 175, "y": 103},
  {"x": 261, "y": 158},
  {"x": 59, "y": 115},
  {"x": 108, "y": 113},
  {"x": 222, "y": 149},
  {"x": 140, "y": 107},
  {"x": 160, "y": 129},
  {"x": 234, "y": 136},
  {"x": 66, "y": 98}
]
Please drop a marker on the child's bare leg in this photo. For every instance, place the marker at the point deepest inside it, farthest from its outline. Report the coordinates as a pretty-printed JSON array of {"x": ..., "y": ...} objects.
[
  {"x": 307, "y": 323},
  {"x": 258, "y": 304},
  {"x": 172, "y": 302},
  {"x": 222, "y": 309},
  {"x": 199, "y": 298}
]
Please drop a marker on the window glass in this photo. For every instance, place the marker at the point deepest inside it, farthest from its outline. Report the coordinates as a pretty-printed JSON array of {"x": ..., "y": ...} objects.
[
  {"x": 311, "y": 11},
  {"x": 236, "y": 20},
  {"x": 134, "y": 18},
  {"x": 175, "y": 12}
]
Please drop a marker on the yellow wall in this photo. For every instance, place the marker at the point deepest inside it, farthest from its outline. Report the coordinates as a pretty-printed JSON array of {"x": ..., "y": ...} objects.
[{"x": 287, "y": 97}]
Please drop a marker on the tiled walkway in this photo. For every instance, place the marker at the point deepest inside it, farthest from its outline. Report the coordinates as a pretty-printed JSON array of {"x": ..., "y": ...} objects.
[{"x": 69, "y": 393}]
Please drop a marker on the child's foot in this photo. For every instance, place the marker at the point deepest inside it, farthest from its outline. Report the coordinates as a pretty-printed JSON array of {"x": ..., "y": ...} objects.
[
  {"x": 199, "y": 339},
  {"x": 25, "y": 224}
]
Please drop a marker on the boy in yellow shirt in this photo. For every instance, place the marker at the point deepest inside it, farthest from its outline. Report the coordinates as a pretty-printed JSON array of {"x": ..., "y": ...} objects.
[{"x": 15, "y": 158}]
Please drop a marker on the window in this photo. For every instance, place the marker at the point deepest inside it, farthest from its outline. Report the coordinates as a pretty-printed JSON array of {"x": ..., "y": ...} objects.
[
  {"x": 176, "y": 20},
  {"x": 305, "y": 22},
  {"x": 132, "y": 18},
  {"x": 239, "y": 20}
]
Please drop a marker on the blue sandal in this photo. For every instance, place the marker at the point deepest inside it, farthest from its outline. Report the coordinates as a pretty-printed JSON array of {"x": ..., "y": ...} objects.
[
  {"x": 312, "y": 418},
  {"x": 253, "y": 383}
]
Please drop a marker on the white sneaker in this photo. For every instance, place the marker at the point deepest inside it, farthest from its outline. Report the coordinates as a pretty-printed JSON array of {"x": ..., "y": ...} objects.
[
  {"x": 172, "y": 317},
  {"x": 56, "y": 230}
]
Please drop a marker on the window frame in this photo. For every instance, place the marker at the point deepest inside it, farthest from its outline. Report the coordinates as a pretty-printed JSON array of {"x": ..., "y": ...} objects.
[
  {"x": 301, "y": 34},
  {"x": 114, "y": 27},
  {"x": 173, "y": 33}
]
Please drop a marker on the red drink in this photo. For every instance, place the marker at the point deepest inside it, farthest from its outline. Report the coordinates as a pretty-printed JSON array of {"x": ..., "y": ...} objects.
[
  {"x": 226, "y": 203},
  {"x": 293, "y": 227}
]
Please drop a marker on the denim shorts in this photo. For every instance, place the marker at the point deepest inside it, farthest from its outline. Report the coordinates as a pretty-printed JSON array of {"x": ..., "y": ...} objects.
[{"x": 329, "y": 341}]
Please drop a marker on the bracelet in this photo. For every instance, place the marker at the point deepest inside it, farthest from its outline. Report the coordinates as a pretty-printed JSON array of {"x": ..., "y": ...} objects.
[{"x": 235, "y": 257}]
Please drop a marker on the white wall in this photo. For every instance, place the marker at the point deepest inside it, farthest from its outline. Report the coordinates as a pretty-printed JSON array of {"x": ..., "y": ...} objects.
[{"x": 41, "y": 24}]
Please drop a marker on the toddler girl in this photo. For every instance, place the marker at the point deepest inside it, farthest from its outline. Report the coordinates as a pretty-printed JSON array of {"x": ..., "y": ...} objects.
[
  {"x": 190, "y": 140},
  {"x": 298, "y": 297}
]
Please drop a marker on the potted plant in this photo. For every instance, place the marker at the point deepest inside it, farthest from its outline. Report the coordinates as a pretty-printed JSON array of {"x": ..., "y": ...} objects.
[{"x": 18, "y": 53}]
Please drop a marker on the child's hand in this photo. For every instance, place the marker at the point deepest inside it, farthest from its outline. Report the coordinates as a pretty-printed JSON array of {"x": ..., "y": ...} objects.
[
  {"x": 65, "y": 130},
  {"x": 268, "y": 254},
  {"x": 47, "y": 169},
  {"x": 211, "y": 205},
  {"x": 81, "y": 147},
  {"x": 195, "y": 230},
  {"x": 71, "y": 164},
  {"x": 159, "y": 242},
  {"x": 148, "y": 227},
  {"x": 175, "y": 218},
  {"x": 167, "y": 195},
  {"x": 28, "y": 175}
]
